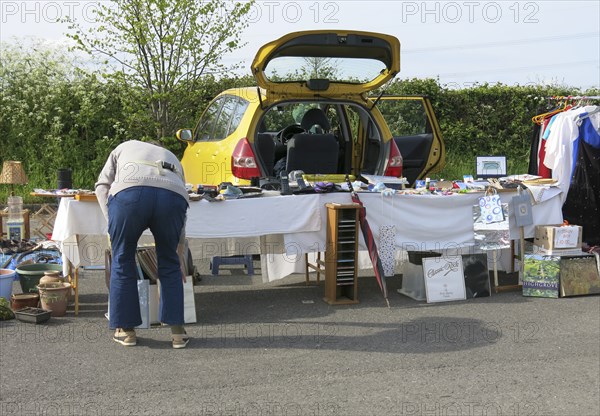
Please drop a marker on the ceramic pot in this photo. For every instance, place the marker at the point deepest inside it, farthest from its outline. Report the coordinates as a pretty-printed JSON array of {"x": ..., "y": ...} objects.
[
  {"x": 53, "y": 297},
  {"x": 30, "y": 274},
  {"x": 51, "y": 277},
  {"x": 24, "y": 300},
  {"x": 6, "y": 282}
]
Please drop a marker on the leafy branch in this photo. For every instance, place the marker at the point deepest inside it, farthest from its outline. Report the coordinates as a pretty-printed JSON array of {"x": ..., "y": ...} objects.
[{"x": 159, "y": 44}]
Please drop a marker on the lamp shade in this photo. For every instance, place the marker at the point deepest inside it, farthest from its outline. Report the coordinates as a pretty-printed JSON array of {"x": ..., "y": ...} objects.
[{"x": 13, "y": 173}]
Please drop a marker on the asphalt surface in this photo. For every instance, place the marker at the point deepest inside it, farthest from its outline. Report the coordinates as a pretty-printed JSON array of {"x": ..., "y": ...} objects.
[{"x": 279, "y": 349}]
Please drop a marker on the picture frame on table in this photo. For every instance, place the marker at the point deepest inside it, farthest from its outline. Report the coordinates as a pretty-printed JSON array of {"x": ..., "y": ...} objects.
[
  {"x": 444, "y": 279},
  {"x": 490, "y": 166}
]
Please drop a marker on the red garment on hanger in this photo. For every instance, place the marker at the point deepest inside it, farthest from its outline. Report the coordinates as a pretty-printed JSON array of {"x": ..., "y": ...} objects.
[{"x": 543, "y": 170}]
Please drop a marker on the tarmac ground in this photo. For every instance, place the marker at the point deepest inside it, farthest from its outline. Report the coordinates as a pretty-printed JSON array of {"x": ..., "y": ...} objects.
[{"x": 278, "y": 349}]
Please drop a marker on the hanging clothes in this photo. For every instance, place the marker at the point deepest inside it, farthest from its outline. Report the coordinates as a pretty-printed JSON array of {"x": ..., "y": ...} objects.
[
  {"x": 582, "y": 205},
  {"x": 533, "y": 151},
  {"x": 559, "y": 146},
  {"x": 541, "y": 130},
  {"x": 543, "y": 170}
]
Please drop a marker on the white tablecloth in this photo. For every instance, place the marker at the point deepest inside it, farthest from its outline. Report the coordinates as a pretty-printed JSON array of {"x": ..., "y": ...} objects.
[
  {"x": 427, "y": 222},
  {"x": 422, "y": 223},
  {"x": 295, "y": 225},
  {"x": 253, "y": 217},
  {"x": 81, "y": 231}
]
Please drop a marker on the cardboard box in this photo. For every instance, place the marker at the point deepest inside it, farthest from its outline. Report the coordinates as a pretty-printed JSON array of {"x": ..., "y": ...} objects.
[
  {"x": 552, "y": 237},
  {"x": 557, "y": 251}
]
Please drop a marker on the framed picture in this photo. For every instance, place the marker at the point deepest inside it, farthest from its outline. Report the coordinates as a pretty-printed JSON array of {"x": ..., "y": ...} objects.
[
  {"x": 444, "y": 279},
  {"x": 491, "y": 166}
]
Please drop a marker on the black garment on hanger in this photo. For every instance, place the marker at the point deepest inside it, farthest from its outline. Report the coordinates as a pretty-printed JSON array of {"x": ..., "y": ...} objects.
[
  {"x": 582, "y": 206},
  {"x": 533, "y": 152}
]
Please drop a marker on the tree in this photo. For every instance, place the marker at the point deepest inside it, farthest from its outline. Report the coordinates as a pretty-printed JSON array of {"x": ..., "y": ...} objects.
[
  {"x": 316, "y": 67},
  {"x": 160, "y": 45}
]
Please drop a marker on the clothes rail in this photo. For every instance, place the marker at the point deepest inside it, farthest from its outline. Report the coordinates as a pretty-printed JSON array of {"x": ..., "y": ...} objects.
[{"x": 574, "y": 97}]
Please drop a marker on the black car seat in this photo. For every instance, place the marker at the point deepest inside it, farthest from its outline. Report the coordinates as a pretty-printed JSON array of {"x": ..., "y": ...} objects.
[
  {"x": 313, "y": 153},
  {"x": 315, "y": 116},
  {"x": 265, "y": 146}
]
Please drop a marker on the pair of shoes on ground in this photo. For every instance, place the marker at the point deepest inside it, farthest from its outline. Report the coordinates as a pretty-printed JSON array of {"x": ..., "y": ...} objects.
[{"x": 128, "y": 338}]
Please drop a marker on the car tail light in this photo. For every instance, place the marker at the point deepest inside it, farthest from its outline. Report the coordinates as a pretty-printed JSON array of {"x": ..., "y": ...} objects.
[
  {"x": 243, "y": 161},
  {"x": 394, "y": 166}
]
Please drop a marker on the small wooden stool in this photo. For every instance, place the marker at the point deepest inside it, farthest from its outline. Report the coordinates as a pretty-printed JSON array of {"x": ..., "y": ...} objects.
[{"x": 218, "y": 260}]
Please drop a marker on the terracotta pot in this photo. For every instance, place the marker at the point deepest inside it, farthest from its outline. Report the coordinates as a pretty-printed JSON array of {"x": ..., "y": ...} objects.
[
  {"x": 53, "y": 297},
  {"x": 24, "y": 300},
  {"x": 51, "y": 277}
]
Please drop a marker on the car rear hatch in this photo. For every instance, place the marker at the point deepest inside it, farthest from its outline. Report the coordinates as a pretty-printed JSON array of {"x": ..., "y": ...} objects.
[{"x": 327, "y": 63}]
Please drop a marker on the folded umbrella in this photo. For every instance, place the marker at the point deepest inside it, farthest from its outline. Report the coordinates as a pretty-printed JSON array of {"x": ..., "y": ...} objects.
[{"x": 370, "y": 241}]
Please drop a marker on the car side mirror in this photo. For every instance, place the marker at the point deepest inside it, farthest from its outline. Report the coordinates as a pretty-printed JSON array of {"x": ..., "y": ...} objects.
[{"x": 185, "y": 135}]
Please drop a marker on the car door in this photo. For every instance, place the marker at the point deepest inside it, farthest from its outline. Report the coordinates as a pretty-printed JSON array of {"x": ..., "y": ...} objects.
[
  {"x": 416, "y": 132},
  {"x": 208, "y": 159}
]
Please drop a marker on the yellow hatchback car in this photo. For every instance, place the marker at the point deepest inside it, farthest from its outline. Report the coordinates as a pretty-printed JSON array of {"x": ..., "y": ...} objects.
[{"x": 311, "y": 112}]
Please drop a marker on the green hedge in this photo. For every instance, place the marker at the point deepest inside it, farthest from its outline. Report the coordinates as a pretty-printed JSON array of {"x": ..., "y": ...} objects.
[
  {"x": 56, "y": 115},
  {"x": 485, "y": 119}
]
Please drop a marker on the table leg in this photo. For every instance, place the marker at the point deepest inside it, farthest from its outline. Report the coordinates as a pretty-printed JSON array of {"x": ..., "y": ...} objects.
[
  {"x": 74, "y": 280},
  {"x": 306, "y": 269},
  {"x": 513, "y": 256},
  {"x": 76, "y": 291},
  {"x": 495, "y": 262},
  {"x": 520, "y": 257}
]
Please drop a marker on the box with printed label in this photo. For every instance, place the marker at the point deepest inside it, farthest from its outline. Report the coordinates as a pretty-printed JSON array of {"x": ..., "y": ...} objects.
[{"x": 552, "y": 237}]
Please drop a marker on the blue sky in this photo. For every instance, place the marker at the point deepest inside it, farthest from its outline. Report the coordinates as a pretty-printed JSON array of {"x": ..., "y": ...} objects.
[{"x": 461, "y": 42}]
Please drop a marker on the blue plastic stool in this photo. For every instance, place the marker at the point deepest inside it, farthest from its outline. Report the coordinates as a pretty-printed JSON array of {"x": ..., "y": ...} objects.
[{"x": 245, "y": 260}]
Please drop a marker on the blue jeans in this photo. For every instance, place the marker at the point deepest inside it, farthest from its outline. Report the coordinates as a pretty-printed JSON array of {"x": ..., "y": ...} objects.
[{"x": 130, "y": 212}]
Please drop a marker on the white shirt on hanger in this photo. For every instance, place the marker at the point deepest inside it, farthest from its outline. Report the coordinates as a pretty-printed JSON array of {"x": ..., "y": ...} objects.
[{"x": 559, "y": 147}]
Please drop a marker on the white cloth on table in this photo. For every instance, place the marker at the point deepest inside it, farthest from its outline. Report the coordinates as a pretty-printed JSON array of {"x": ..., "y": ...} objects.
[
  {"x": 253, "y": 216},
  {"x": 82, "y": 232},
  {"x": 422, "y": 222}
]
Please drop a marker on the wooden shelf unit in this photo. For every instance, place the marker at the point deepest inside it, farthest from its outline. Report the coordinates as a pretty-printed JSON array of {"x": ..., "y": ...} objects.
[{"x": 341, "y": 254}]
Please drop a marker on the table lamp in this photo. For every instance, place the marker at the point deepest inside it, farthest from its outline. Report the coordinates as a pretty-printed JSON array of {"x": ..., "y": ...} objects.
[{"x": 13, "y": 174}]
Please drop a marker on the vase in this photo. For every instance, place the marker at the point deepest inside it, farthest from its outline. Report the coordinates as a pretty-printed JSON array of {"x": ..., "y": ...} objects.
[
  {"x": 51, "y": 277},
  {"x": 53, "y": 297}
]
